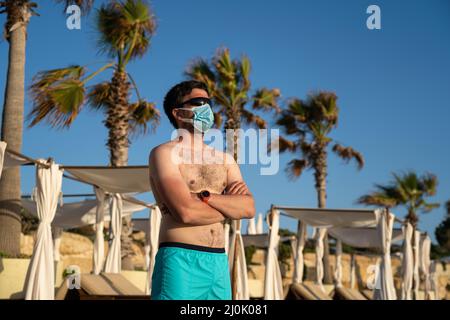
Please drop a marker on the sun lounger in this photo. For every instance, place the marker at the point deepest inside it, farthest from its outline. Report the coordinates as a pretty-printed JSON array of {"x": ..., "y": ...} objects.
[
  {"x": 342, "y": 293},
  {"x": 105, "y": 286},
  {"x": 368, "y": 294},
  {"x": 306, "y": 291}
]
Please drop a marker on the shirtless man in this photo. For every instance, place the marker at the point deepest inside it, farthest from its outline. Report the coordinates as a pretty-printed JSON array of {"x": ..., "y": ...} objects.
[{"x": 195, "y": 198}]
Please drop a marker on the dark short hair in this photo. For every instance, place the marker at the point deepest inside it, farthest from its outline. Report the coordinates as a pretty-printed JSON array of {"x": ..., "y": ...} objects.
[{"x": 175, "y": 96}]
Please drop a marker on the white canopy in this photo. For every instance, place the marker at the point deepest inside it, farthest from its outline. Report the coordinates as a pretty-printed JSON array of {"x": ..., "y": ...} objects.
[
  {"x": 11, "y": 159},
  {"x": 81, "y": 213},
  {"x": 362, "y": 237},
  {"x": 40, "y": 280},
  {"x": 129, "y": 179},
  {"x": 326, "y": 218}
]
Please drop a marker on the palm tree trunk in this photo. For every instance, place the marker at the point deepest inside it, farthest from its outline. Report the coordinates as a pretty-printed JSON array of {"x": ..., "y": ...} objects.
[
  {"x": 12, "y": 127},
  {"x": 320, "y": 177},
  {"x": 117, "y": 123}
]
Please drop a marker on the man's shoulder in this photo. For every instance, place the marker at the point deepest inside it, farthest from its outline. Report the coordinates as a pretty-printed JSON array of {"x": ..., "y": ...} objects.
[{"x": 161, "y": 150}]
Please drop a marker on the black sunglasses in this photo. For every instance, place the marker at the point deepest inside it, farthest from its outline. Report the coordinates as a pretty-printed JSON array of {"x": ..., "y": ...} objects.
[{"x": 196, "y": 102}]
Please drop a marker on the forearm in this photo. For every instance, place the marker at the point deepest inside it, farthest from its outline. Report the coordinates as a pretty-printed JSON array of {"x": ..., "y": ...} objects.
[
  {"x": 200, "y": 213},
  {"x": 233, "y": 206}
]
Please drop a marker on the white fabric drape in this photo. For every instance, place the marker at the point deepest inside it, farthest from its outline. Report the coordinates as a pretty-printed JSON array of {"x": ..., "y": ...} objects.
[
  {"x": 273, "y": 285},
  {"x": 259, "y": 224},
  {"x": 353, "y": 272},
  {"x": 152, "y": 244},
  {"x": 434, "y": 280},
  {"x": 298, "y": 259},
  {"x": 40, "y": 280},
  {"x": 2, "y": 155},
  {"x": 319, "y": 248},
  {"x": 387, "y": 289},
  {"x": 236, "y": 259},
  {"x": 407, "y": 262},
  {"x": 338, "y": 269},
  {"x": 113, "y": 261},
  {"x": 416, "y": 274},
  {"x": 425, "y": 246},
  {"x": 251, "y": 226},
  {"x": 56, "y": 234},
  {"x": 99, "y": 244}
]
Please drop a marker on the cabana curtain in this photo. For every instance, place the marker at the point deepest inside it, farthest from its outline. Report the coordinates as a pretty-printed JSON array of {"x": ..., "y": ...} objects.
[
  {"x": 407, "y": 263},
  {"x": 113, "y": 260},
  {"x": 40, "y": 280}
]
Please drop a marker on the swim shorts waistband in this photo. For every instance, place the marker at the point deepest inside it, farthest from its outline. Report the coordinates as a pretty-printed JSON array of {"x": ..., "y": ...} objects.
[{"x": 191, "y": 246}]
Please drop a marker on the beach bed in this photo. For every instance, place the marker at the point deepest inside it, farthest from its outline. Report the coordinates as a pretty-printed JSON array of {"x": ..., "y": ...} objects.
[{"x": 106, "y": 286}]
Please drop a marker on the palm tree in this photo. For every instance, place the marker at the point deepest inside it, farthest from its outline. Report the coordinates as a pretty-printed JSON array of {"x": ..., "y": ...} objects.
[
  {"x": 125, "y": 29},
  {"x": 310, "y": 122},
  {"x": 18, "y": 14},
  {"x": 229, "y": 85},
  {"x": 408, "y": 190},
  {"x": 228, "y": 82}
]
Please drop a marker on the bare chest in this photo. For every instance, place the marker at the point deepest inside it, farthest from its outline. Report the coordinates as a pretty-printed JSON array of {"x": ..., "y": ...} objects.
[{"x": 211, "y": 177}]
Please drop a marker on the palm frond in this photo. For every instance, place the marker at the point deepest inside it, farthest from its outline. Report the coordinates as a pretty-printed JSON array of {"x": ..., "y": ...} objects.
[
  {"x": 85, "y": 5},
  {"x": 253, "y": 119},
  {"x": 377, "y": 199},
  {"x": 99, "y": 96},
  {"x": 348, "y": 153},
  {"x": 143, "y": 114},
  {"x": 125, "y": 27},
  {"x": 266, "y": 99},
  {"x": 295, "y": 168},
  {"x": 59, "y": 104}
]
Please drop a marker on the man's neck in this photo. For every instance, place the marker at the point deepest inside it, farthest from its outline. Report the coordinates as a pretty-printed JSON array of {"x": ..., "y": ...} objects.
[{"x": 191, "y": 140}]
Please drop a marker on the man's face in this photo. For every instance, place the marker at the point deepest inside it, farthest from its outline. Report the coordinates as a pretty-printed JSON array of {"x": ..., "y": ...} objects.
[{"x": 178, "y": 113}]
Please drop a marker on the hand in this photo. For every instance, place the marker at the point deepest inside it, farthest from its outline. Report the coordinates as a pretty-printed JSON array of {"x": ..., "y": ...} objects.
[{"x": 237, "y": 187}]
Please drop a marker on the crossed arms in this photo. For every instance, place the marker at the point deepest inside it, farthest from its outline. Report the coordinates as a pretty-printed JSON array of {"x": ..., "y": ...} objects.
[{"x": 186, "y": 207}]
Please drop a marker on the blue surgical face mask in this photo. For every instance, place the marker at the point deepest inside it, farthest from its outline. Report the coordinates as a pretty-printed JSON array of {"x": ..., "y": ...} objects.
[{"x": 203, "y": 118}]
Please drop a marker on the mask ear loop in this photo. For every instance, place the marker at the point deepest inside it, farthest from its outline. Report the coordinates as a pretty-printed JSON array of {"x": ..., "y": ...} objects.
[{"x": 187, "y": 120}]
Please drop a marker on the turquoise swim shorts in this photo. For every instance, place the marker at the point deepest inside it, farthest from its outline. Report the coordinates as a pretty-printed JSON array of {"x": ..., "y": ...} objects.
[{"x": 190, "y": 272}]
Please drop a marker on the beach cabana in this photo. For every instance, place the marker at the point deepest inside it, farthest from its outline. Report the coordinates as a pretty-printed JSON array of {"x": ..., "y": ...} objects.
[
  {"x": 324, "y": 219},
  {"x": 367, "y": 237}
]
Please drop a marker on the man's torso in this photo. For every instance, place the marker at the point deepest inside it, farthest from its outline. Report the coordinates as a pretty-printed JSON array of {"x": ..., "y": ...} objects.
[{"x": 198, "y": 177}]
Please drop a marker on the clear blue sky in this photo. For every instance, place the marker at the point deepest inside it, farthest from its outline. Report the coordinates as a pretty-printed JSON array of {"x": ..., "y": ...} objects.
[{"x": 393, "y": 85}]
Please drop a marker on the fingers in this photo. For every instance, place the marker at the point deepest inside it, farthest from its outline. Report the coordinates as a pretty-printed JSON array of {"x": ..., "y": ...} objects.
[
  {"x": 233, "y": 187},
  {"x": 238, "y": 187}
]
